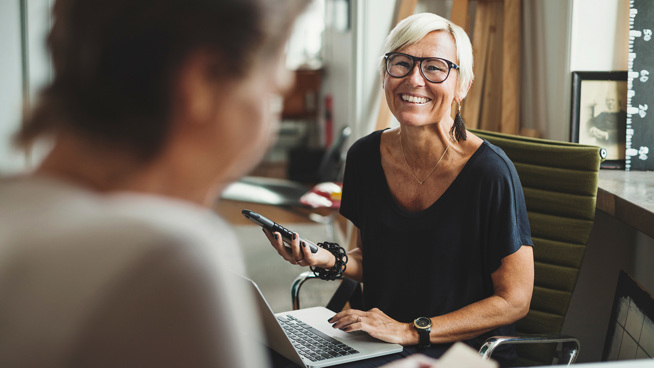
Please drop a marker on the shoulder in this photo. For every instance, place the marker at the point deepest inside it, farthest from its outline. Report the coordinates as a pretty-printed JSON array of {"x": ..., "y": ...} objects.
[
  {"x": 177, "y": 224},
  {"x": 495, "y": 155},
  {"x": 105, "y": 234},
  {"x": 169, "y": 245},
  {"x": 366, "y": 144},
  {"x": 493, "y": 164}
]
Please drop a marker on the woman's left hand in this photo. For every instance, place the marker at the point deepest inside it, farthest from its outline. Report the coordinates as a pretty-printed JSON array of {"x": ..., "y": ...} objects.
[{"x": 377, "y": 324}]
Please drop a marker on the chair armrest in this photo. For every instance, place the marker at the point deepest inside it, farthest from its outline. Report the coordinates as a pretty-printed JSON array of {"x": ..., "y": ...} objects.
[
  {"x": 348, "y": 291},
  {"x": 297, "y": 284},
  {"x": 569, "y": 352}
]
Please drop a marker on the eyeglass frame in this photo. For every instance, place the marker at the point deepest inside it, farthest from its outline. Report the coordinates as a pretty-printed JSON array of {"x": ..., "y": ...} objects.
[{"x": 415, "y": 59}]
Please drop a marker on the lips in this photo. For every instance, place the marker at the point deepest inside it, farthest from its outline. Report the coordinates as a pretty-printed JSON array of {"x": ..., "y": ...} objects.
[{"x": 415, "y": 99}]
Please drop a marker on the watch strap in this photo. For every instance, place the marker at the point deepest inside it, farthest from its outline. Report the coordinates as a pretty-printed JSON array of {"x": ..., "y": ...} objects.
[
  {"x": 423, "y": 326},
  {"x": 423, "y": 334}
]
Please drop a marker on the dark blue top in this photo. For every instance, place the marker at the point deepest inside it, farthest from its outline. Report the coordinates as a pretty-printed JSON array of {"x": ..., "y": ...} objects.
[{"x": 438, "y": 260}]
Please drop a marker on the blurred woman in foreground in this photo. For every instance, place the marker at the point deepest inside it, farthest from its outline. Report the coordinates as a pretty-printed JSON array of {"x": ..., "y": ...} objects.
[{"x": 111, "y": 256}]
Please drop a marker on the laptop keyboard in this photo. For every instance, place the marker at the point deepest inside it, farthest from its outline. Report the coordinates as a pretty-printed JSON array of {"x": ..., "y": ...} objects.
[{"x": 311, "y": 343}]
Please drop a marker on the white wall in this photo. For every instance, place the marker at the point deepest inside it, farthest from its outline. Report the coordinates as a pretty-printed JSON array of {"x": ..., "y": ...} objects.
[
  {"x": 21, "y": 75},
  {"x": 39, "y": 66},
  {"x": 374, "y": 20},
  {"x": 338, "y": 55},
  {"x": 600, "y": 35},
  {"x": 11, "y": 87}
]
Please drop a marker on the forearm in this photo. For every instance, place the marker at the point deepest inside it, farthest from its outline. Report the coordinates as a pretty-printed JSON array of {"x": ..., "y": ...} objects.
[
  {"x": 354, "y": 269},
  {"x": 463, "y": 324},
  {"x": 476, "y": 319},
  {"x": 513, "y": 284}
]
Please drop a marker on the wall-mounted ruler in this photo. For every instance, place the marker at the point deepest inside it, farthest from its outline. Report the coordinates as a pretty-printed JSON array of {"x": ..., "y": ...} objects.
[{"x": 639, "y": 153}]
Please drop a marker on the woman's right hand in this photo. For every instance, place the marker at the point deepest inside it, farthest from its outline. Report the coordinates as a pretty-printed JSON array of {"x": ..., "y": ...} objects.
[{"x": 299, "y": 253}]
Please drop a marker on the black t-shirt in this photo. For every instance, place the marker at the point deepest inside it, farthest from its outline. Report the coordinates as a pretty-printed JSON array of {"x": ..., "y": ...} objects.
[{"x": 438, "y": 260}]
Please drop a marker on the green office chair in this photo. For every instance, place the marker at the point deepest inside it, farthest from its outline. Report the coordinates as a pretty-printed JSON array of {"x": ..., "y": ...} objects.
[{"x": 559, "y": 180}]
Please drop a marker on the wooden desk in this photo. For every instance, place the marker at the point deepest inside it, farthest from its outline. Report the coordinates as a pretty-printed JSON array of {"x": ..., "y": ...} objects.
[{"x": 629, "y": 197}]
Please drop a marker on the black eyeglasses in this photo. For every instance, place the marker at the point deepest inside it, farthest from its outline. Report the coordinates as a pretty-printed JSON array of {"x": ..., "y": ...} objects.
[{"x": 433, "y": 69}]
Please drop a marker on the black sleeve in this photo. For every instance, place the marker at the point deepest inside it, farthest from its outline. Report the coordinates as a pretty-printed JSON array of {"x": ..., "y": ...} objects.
[
  {"x": 507, "y": 226},
  {"x": 350, "y": 198}
]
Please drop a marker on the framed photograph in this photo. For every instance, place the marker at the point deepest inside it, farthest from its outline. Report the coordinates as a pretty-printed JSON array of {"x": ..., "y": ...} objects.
[{"x": 599, "y": 113}]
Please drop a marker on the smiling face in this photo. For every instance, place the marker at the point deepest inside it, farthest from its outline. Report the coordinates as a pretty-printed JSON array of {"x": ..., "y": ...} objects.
[{"x": 412, "y": 99}]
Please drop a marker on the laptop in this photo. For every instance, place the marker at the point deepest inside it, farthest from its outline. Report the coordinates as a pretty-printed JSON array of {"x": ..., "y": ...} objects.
[{"x": 306, "y": 338}]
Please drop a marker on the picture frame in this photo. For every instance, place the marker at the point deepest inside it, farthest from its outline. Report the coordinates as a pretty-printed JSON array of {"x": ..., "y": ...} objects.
[{"x": 599, "y": 113}]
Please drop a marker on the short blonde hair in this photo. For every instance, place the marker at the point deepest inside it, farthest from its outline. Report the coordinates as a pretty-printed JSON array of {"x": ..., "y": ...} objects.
[{"x": 414, "y": 28}]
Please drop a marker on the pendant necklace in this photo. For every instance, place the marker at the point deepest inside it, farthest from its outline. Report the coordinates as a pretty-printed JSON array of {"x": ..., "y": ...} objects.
[{"x": 432, "y": 170}]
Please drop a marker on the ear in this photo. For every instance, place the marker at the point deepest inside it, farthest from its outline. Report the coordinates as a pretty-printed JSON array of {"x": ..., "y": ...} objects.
[
  {"x": 462, "y": 93},
  {"x": 195, "y": 92}
]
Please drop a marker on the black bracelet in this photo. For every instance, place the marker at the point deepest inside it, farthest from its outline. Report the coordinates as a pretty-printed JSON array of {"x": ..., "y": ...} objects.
[{"x": 335, "y": 272}]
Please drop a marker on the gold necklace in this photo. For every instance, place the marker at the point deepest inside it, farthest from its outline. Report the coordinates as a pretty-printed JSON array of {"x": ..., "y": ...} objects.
[{"x": 432, "y": 170}]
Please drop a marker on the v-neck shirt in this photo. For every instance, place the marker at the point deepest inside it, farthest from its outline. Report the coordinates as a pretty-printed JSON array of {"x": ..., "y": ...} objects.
[{"x": 440, "y": 259}]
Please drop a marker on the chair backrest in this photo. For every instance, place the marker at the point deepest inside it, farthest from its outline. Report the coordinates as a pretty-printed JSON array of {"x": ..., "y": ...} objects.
[{"x": 559, "y": 180}]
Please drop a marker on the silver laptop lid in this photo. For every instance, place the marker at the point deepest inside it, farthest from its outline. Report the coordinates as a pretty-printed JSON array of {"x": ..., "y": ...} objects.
[
  {"x": 275, "y": 336},
  {"x": 316, "y": 317}
]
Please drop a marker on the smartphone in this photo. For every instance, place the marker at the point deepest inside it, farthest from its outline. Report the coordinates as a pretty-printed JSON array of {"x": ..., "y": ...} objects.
[{"x": 272, "y": 226}]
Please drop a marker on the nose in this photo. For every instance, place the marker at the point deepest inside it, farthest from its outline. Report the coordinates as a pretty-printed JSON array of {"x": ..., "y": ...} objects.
[{"x": 415, "y": 77}]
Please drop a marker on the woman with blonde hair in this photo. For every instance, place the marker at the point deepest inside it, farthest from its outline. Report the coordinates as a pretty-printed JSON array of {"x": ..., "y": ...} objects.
[{"x": 444, "y": 250}]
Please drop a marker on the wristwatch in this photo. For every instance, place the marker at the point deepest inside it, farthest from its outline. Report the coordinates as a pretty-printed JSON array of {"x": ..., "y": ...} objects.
[{"x": 423, "y": 326}]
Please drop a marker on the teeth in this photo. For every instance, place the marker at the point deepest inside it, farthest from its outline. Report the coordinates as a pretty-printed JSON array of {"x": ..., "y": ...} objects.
[{"x": 418, "y": 100}]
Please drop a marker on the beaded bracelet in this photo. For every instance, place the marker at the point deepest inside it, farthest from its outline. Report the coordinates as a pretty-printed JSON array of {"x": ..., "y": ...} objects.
[{"x": 335, "y": 272}]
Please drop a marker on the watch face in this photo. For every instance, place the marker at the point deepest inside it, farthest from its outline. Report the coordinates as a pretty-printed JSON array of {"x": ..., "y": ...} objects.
[{"x": 422, "y": 322}]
